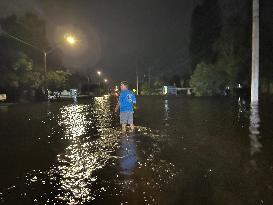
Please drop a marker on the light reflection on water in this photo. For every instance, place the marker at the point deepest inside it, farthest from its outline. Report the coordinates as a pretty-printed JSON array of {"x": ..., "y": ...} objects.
[
  {"x": 254, "y": 125},
  {"x": 74, "y": 120},
  {"x": 78, "y": 163},
  {"x": 166, "y": 109},
  {"x": 93, "y": 144},
  {"x": 197, "y": 156},
  {"x": 83, "y": 156},
  {"x": 129, "y": 155}
]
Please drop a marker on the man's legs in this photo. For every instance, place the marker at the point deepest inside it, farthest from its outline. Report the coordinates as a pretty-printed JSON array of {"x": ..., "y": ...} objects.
[
  {"x": 123, "y": 127},
  {"x": 123, "y": 121},
  {"x": 132, "y": 127},
  {"x": 126, "y": 118},
  {"x": 131, "y": 121}
]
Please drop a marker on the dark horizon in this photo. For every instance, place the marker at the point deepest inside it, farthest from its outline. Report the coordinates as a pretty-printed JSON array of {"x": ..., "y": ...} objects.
[{"x": 115, "y": 34}]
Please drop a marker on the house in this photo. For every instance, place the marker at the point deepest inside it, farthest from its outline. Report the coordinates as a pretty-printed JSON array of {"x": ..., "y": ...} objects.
[
  {"x": 3, "y": 97},
  {"x": 169, "y": 90},
  {"x": 173, "y": 90}
]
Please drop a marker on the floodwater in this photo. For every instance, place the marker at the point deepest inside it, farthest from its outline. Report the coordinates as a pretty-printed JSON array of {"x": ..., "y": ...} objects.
[{"x": 186, "y": 151}]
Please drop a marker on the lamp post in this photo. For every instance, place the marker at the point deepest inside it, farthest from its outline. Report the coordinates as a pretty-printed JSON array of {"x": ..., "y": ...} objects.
[
  {"x": 255, "y": 54},
  {"x": 68, "y": 38},
  {"x": 105, "y": 85},
  {"x": 100, "y": 81},
  {"x": 99, "y": 74}
]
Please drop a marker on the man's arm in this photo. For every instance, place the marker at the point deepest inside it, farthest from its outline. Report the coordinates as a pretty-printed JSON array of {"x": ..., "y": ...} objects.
[{"x": 134, "y": 99}]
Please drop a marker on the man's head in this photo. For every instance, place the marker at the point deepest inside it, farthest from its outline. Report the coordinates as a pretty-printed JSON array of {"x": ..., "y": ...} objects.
[{"x": 124, "y": 85}]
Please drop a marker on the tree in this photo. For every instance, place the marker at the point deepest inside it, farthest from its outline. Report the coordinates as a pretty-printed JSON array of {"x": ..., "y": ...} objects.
[
  {"x": 207, "y": 80},
  {"x": 57, "y": 80},
  {"x": 205, "y": 29},
  {"x": 145, "y": 90},
  {"x": 175, "y": 80},
  {"x": 232, "y": 55},
  {"x": 30, "y": 28},
  {"x": 22, "y": 66},
  {"x": 158, "y": 82},
  {"x": 19, "y": 77},
  {"x": 266, "y": 46},
  {"x": 19, "y": 74}
]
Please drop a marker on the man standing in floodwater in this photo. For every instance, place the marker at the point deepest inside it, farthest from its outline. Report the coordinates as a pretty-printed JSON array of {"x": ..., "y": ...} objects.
[{"x": 126, "y": 101}]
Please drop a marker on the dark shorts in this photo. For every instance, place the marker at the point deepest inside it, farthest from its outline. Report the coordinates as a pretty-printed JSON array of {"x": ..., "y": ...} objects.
[{"x": 127, "y": 118}]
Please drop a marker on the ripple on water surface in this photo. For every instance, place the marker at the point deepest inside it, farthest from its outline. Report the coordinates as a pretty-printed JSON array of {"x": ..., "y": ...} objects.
[{"x": 99, "y": 163}]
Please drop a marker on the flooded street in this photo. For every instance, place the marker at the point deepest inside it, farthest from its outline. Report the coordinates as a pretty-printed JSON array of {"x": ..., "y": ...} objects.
[{"x": 184, "y": 151}]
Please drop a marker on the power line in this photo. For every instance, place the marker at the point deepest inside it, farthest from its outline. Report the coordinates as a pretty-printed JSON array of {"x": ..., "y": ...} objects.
[{"x": 22, "y": 41}]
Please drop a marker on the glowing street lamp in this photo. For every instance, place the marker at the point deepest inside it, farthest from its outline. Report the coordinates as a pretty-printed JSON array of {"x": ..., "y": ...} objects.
[
  {"x": 99, "y": 73},
  {"x": 70, "y": 39},
  {"x": 105, "y": 80}
]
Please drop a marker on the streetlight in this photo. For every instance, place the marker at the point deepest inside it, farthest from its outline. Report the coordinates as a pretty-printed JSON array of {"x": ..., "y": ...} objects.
[
  {"x": 71, "y": 39},
  {"x": 68, "y": 38},
  {"x": 99, "y": 73},
  {"x": 105, "y": 80}
]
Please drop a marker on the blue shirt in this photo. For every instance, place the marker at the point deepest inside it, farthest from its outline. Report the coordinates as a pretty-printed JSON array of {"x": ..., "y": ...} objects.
[{"x": 126, "y": 100}]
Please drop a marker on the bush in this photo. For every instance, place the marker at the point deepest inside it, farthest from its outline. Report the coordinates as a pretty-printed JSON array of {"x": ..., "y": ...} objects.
[
  {"x": 57, "y": 80},
  {"x": 207, "y": 80}
]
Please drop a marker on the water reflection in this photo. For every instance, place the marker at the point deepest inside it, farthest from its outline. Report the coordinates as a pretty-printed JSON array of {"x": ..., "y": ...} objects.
[
  {"x": 90, "y": 141},
  {"x": 129, "y": 155},
  {"x": 75, "y": 165},
  {"x": 254, "y": 125},
  {"x": 242, "y": 109},
  {"x": 102, "y": 111},
  {"x": 90, "y": 147},
  {"x": 83, "y": 156},
  {"x": 78, "y": 163},
  {"x": 74, "y": 120},
  {"x": 166, "y": 109},
  {"x": 4, "y": 108}
]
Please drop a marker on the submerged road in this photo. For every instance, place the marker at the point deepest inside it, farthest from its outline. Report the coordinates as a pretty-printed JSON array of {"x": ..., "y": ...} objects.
[{"x": 184, "y": 151}]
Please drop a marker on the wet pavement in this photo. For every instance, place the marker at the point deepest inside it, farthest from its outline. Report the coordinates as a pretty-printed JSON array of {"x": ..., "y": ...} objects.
[{"x": 184, "y": 151}]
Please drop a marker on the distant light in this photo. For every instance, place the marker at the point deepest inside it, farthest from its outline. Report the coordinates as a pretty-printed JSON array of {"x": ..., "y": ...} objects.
[
  {"x": 99, "y": 72},
  {"x": 105, "y": 80},
  {"x": 71, "y": 39},
  {"x": 165, "y": 90}
]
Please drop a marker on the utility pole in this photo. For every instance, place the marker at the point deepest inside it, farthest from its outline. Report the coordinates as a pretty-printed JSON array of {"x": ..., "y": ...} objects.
[
  {"x": 137, "y": 79},
  {"x": 45, "y": 73},
  {"x": 88, "y": 82},
  {"x": 255, "y": 54},
  {"x": 149, "y": 77}
]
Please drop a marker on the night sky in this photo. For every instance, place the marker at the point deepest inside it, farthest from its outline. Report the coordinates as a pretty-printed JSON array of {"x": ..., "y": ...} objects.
[{"x": 115, "y": 33}]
